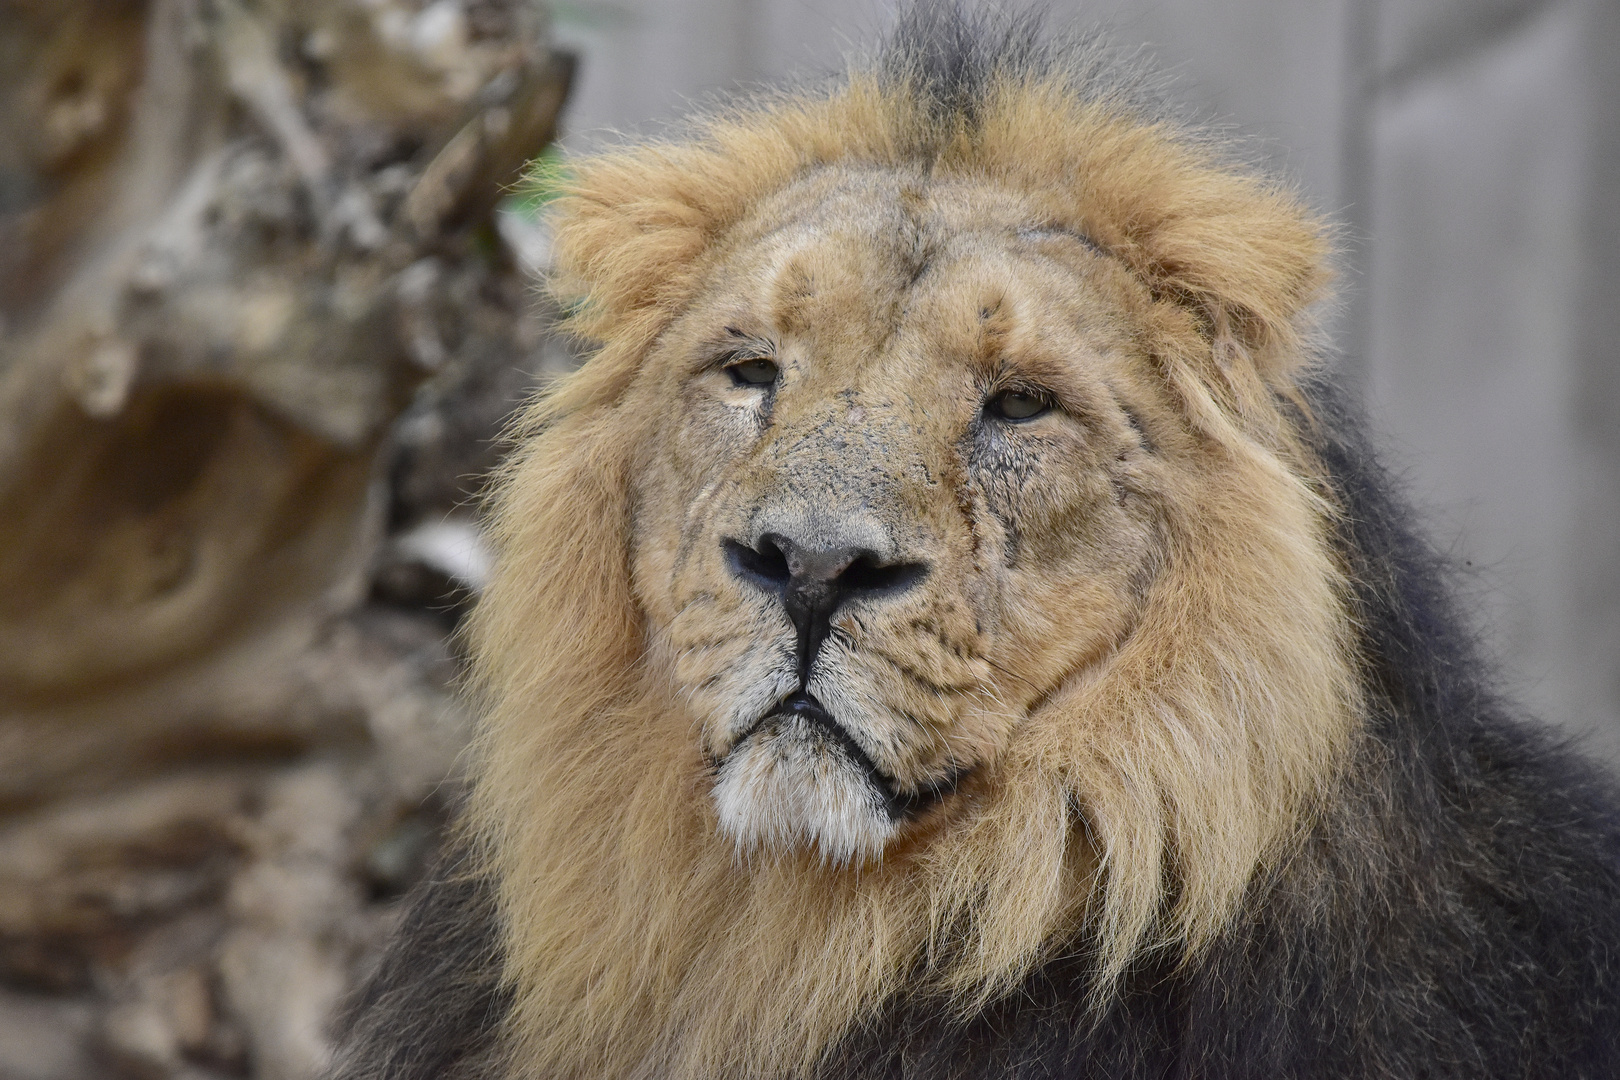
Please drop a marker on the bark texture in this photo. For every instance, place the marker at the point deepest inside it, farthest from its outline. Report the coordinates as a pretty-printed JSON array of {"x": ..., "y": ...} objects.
[{"x": 258, "y": 331}]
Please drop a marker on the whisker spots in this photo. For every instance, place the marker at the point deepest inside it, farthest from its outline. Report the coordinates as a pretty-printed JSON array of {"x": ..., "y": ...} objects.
[
  {"x": 932, "y": 630},
  {"x": 916, "y": 675},
  {"x": 707, "y": 644}
]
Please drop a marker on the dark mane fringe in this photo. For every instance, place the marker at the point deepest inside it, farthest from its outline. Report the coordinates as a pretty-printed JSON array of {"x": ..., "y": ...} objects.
[
  {"x": 950, "y": 57},
  {"x": 433, "y": 1008}
]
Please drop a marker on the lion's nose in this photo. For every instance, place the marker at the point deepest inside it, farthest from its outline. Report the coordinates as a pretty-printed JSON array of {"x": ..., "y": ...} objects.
[
  {"x": 813, "y": 581},
  {"x": 823, "y": 575}
]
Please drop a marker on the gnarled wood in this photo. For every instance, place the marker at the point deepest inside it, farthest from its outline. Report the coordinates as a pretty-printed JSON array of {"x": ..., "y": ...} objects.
[{"x": 237, "y": 239}]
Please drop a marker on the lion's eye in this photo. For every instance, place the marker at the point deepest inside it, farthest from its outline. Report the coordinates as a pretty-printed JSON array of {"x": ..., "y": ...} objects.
[
  {"x": 1017, "y": 405},
  {"x": 756, "y": 372}
]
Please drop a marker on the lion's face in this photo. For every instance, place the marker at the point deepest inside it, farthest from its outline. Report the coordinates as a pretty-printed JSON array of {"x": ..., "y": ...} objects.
[{"x": 903, "y": 489}]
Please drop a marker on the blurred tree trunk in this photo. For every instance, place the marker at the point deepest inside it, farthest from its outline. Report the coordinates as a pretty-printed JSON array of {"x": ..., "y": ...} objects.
[{"x": 237, "y": 239}]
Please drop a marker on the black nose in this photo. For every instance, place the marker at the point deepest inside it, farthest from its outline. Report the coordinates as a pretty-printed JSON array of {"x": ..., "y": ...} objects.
[{"x": 814, "y": 581}]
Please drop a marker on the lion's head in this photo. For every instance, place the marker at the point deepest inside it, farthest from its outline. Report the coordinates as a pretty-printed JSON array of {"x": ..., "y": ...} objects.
[
  {"x": 926, "y": 572},
  {"x": 905, "y": 488}
]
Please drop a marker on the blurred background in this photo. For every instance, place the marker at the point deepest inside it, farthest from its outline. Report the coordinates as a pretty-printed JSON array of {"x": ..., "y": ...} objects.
[{"x": 266, "y": 298}]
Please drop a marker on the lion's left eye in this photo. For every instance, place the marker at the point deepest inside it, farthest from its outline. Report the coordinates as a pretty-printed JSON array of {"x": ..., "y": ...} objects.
[
  {"x": 756, "y": 372},
  {"x": 1017, "y": 405}
]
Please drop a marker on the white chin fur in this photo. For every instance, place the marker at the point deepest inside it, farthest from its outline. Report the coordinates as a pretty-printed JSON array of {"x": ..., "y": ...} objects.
[{"x": 790, "y": 785}]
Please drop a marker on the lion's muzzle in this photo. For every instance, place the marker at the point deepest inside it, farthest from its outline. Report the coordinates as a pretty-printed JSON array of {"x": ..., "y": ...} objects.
[{"x": 798, "y": 775}]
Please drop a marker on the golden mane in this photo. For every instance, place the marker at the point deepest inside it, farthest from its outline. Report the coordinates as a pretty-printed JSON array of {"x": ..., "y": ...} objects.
[{"x": 1137, "y": 803}]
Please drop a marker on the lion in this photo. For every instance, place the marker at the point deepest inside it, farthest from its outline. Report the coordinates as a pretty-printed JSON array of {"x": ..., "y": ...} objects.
[{"x": 952, "y": 627}]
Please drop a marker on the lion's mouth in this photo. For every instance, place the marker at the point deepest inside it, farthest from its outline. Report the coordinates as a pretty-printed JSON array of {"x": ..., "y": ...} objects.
[{"x": 899, "y": 803}]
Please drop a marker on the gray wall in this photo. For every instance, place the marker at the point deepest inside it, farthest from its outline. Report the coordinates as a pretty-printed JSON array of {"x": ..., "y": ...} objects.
[{"x": 1471, "y": 149}]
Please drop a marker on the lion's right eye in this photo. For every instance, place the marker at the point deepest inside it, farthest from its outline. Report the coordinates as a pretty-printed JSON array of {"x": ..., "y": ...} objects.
[
  {"x": 1017, "y": 405},
  {"x": 756, "y": 372}
]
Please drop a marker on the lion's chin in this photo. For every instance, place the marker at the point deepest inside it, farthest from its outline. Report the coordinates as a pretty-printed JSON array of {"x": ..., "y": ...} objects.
[{"x": 794, "y": 783}]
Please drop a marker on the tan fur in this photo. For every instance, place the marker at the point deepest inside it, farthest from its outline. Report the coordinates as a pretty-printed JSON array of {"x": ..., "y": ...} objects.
[{"x": 1168, "y": 714}]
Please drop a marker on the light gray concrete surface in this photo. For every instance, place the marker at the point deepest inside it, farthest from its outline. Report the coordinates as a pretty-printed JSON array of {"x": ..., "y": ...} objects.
[
  {"x": 1594, "y": 428},
  {"x": 1471, "y": 151},
  {"x": 1480, "y": 365}
]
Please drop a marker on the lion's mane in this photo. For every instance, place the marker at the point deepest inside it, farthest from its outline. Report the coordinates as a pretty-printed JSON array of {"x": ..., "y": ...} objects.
[
  {"x": 1191, "y": 760},
  {"x": 1230, "y": 767}
]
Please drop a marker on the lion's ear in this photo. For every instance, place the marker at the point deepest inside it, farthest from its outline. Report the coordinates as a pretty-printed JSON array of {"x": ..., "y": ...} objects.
[
  {"x": 627, "y": 232},
  {"x": 1249, "y": 260},
  {"x": 630, "y": 228},
  {"x": 1244, "y": 256}
]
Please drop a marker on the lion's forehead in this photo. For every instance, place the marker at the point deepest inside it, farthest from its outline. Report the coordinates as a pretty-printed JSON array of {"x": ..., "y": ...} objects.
[
  {"x": 888, "y": 279},
  {"x": 872, "y": 199},
  {"x": 879, "y": 224}
]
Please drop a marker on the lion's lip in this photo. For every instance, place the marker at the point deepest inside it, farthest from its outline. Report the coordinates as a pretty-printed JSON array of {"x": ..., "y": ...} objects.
[
  {"x": 901, "y": 805},
  {"x": 802, "y": 703}
]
